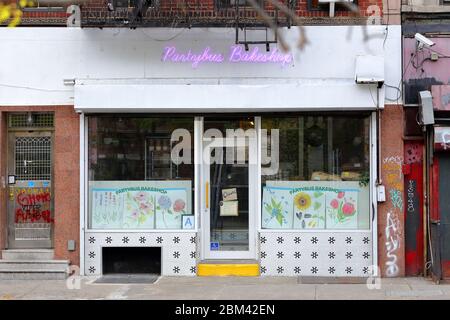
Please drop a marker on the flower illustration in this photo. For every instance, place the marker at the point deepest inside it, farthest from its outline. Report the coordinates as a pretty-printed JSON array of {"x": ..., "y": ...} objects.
[
  {"x": 334, "y": 204},
  {"x": 302, "y": 201},
  {"x": 342, "y": 208},
  {"x": 143, "y": 206},
  {"x": 179, "y": 205},
  {"x": 164, "y": 202},
  {"x": 275, "y": 212},
  {"x": 140, "y": 206},
  {"x": 348, "y": 209},
  {"x": 275, "y": 209},
  {"x": 141, "y": 197}
]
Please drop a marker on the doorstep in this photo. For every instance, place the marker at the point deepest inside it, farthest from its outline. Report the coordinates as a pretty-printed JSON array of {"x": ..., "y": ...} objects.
[{"x": 238, "y": 268}]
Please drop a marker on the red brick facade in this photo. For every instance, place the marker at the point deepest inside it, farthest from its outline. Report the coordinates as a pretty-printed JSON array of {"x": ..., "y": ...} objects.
[
  {"x": 204, "y": 12},
  {"x": 391, "y": 249}
]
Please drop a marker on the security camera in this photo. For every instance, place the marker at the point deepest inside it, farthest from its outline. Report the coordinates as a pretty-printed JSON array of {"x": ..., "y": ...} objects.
[{"x": 423, "y": 41}]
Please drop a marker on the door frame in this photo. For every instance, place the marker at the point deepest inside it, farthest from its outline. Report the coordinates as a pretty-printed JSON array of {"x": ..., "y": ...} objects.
[
  {"x": 10, "y": 168},
  {"x": 253, "y": 189}
]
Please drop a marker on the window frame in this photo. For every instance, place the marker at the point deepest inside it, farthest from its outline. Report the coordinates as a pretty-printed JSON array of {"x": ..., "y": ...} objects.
[
  {"x": 325, "y": 6},
  {"x": 85, "y": 223},
  {"x": 373, "y": 208}
]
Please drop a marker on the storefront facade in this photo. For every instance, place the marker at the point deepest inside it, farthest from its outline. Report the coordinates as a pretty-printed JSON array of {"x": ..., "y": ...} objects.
[
  {"x": 210, "y": 154},
  {"x": 428, "y": 231},
  {"x": 295, "y": 213}
]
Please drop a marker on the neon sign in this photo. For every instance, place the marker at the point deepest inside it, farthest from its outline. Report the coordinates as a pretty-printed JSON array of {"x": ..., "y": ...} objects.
[{"x": 236, "y": 54}]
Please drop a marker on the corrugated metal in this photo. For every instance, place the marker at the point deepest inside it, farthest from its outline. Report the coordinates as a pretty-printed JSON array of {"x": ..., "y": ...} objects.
[{"x": 444, "y": 212}]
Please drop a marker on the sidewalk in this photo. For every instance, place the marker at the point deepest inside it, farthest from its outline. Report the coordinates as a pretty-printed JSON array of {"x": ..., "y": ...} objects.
[{"x": 228, "y": 288}]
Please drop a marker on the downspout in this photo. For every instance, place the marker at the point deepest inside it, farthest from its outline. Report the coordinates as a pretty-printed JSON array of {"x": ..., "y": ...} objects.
[
  {"x": 379, "y": 181},
  {"x": 427, "y": 235},
  {"x": 436, "y": 272}
]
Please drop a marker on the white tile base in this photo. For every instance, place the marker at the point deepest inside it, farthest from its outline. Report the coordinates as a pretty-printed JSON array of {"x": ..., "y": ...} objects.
[
  {"x": 346, "y": 254},
  {"x": 338, "y": 254},
  {"x": 179, "y": 255}
]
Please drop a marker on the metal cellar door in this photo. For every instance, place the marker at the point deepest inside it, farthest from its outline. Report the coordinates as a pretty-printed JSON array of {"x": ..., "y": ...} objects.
[{"x": 30, "y": 196}]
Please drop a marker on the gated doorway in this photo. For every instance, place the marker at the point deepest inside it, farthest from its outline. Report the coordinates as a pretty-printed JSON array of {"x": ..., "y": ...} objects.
[{"x": 30, "y": 188}]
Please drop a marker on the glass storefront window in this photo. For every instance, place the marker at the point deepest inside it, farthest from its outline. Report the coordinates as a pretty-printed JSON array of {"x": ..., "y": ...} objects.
[
  {"x": 139, "y": 176},
  {"x": 318, "y": 176}
]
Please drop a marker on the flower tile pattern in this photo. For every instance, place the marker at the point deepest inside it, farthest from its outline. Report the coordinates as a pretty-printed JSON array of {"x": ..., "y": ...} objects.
[{"x": 335, "y": 254}]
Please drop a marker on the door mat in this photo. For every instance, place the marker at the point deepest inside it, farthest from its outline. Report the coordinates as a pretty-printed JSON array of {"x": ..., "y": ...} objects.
[{"x": 127, "y": 278}]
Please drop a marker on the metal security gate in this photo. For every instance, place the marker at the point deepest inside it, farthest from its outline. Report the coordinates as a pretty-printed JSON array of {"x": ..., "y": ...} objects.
[
  {"x": 444, "y": 214},
  {"x": 30, "y": 205}
]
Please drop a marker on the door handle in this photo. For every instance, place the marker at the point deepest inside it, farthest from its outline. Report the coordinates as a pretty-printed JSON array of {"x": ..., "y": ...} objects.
[
  {"x": 207, "y": 195},
  {"x": 11, "y": 196}
]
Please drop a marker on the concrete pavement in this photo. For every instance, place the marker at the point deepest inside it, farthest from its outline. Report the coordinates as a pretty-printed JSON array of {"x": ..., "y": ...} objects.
[{"x": 228, "y": 288}]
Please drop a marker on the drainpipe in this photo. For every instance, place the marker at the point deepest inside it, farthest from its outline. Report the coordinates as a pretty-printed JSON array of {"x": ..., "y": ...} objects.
[
  {"x": 428, "y": 163},
  {"x": 434, "y": 252},
  {"x": 379, "y": 180}
]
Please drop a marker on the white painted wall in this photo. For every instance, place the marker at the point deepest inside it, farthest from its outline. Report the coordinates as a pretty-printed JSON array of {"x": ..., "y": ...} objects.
[{"x": 34, "y": 61}]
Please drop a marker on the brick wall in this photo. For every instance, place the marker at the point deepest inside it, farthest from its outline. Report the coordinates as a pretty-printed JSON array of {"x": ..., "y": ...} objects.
[
  {"x": 67, "y": 183},
  {"x": 391, "y": 243},
  {"x": 194, "y": 12}
]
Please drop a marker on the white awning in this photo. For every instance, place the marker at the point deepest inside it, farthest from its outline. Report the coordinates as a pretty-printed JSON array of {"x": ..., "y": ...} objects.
[{"x": 178, "y": 95}]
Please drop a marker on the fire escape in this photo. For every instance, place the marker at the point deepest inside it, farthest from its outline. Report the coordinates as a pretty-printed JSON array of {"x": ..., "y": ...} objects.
[
  {"x": 252, "y": 26},
  {"x": 250, "y": 32}
]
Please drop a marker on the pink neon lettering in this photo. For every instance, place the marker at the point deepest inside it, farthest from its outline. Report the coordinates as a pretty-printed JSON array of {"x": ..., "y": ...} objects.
[
  {"x": 236, "y": 55},
  {"x": 171, "y": 54}
]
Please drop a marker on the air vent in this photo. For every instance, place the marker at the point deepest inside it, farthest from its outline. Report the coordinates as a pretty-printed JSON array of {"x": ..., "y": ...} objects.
[{"x": 30, "y": 120}]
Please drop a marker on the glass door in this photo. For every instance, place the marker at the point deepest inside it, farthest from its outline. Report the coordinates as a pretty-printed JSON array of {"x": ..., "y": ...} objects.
[
  {"x": 229, "y": 187},
  {"x": 30, "y": 205}
]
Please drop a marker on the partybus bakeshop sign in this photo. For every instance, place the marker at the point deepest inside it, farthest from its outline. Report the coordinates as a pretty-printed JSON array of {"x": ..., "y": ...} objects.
[{"x": 235, "y": 54}]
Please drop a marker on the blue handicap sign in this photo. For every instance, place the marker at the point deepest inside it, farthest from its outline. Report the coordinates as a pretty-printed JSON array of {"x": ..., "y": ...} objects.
[{"x": 214, "y": 246}]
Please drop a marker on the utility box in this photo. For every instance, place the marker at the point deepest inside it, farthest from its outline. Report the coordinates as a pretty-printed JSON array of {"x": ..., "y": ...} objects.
[
  {"x": 369, "y": 69},
  {"x": 426, "y": 112}
]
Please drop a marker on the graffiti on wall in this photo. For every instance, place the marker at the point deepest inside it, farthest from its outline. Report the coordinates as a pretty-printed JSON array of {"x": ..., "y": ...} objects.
[
  {"x": 392, "y": 167},
  {"x": 411, "y": 196},
  {"x": 413, "y": 153},
  {"x": 392, "y": 243},
  {"x": 33, "y": 205}
]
